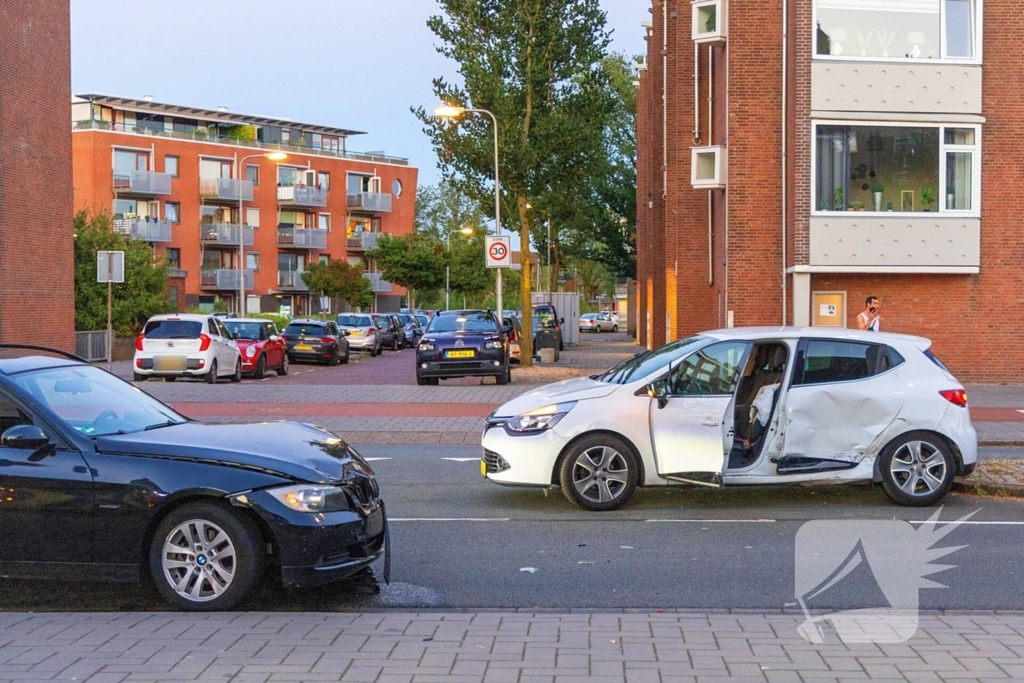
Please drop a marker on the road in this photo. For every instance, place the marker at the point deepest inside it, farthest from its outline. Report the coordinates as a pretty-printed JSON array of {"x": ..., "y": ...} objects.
[{"x": 460, "y": 541}]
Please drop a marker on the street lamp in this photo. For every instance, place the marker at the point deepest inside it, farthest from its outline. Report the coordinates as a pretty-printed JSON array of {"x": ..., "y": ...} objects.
[
  {"x": 272, "y": 156},
  {"x": 448, "y": 111},
  {"x": 467, "y": 231}
]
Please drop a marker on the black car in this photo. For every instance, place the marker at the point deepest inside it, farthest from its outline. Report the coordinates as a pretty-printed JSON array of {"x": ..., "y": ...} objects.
[
  {"x": 316, "y": 340},
  {"x": 463, "y": 344},
  {"x": 390, "y": 331},
  {"x": 100, "y": 481}
]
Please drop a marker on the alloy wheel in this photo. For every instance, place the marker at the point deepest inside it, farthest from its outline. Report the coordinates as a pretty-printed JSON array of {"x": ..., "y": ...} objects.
[
  {"x": 918, "y": 468},
  {"x": 198, "y": 560},
  {"x": 600, "y": 474}
]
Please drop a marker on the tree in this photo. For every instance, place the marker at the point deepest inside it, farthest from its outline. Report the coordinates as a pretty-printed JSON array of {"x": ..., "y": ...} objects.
[
  {"x": 471, "y": 278},
  {"x": 443, "y": 210},
  {"x": 411, "y": 261},
  {"x": 143, "y": 293},
  {"x": 339, "y": 279},
  {"x": 536, "y": 65}
]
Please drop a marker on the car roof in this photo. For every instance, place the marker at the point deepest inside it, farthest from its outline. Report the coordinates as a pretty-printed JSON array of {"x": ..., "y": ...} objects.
[
  {"x": 10, "y": 366},
  {"x": 191, "y": 317},
  {"x": 308, "y": 321},
  {"x": 465, "y": 311},
  {"x": 842, "y": 333},
  {"x": 249, "y": 320}
]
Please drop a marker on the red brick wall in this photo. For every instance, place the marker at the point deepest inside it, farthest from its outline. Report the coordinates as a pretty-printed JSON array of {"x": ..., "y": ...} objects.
[
  {"x": 36, "y": 303},
  {"x": 644, "y": 194}
]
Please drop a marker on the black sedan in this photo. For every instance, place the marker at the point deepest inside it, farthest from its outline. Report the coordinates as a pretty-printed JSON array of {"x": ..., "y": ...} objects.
[
  {"x": 317, "y": 341},
  {"x": 100, "y": 481},
  {"x": 463, "y": 344}
]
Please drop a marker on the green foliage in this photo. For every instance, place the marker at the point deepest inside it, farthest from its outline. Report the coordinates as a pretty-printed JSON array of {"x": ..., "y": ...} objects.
[
  {"x": 143, "y": 292},
  {"x": 364, "y": 298},
  {"x": 281, "y": 321},
  {"x": 242, "y": 133},
  {"x": 470, "y": 278},
  {"x": 594, "y": 279},
  {"x": 443, "y": 209},
  {"x": 338, "y": 279},
  {"x": 414, "y": 261},
  {"x": 927, "y": 197}
]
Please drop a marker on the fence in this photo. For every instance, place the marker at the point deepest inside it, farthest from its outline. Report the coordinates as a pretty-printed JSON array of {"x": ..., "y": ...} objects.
[{"x": 92, "y": 346}]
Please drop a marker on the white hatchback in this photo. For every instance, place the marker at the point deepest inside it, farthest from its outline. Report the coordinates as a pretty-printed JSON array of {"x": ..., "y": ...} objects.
[
  {"x": 173, "y": 346},
  {"x": 743, "y": 406}
]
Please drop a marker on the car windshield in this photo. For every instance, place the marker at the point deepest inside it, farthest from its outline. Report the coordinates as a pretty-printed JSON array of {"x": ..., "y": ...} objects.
[
  {"x": 588, "y": 316},
  {"x": 173, "y": 329},
  {"x": 355, "y": 321},
  {"x": 422, "y": 320},
  {"x": 305, "y": 328},
  {"x": 253, "y": 331},
  {"x": 470, "y": 322},
  {"x": 94, "y": 402},
  {"x": 407, "y": 319},
  {"x": 643, "y": 364}
]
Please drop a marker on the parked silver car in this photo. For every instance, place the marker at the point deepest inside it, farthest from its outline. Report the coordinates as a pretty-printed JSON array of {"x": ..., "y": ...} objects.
[{"x": 363, "y": 335}]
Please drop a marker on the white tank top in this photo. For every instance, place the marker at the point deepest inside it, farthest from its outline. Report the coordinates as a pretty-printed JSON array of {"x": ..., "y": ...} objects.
[{"x": 874, "y": 323}]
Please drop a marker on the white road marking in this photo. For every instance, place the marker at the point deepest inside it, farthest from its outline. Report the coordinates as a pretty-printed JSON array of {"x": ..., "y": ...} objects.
[
  {"x": 944, "y": 523},
  {"x": 1020, "y": 411},
  {"x": 372, "y": 459},
  {"x": 448, "y": 519},
  {"x": 713, "y": 521},
  {"x": 462, "y": 459}
]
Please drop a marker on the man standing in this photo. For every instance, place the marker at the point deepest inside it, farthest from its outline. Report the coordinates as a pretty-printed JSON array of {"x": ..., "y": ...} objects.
[{"x": 868, "y": 319}]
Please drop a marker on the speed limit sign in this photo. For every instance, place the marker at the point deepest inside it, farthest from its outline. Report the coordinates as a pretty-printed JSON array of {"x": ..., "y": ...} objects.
[{"x": 498, "y": 250}]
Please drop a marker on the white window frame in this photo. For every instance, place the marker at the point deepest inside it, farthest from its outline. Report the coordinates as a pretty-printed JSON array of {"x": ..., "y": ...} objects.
[
  {"x": 940, "y": 191},
  {"x": 319, "y": 221},
  {"x": 979, "y": 11}
]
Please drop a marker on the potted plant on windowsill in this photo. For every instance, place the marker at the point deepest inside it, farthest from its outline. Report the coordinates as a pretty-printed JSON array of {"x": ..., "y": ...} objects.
[
  {"x": 838, "y": 197},
  {"x": 927, "y": 198},
  {"x": 876, "y": 195},
  {"x": 950, "y": 197},
  {"x": 888, "y": 207}
]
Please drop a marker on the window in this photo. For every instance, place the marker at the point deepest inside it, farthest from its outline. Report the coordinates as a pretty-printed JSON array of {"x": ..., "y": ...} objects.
[
  {"x": 897, "y": 168},
  {"x": 324, "y": 221},
  {"x": 323, "y": 179},
  {"x": 172, "y": 212},
  {"x": 252, "y": 173},
  {"x": 171, "y": 165},
  {"x": 214, "y": 168},
  {"x": 903, "y": 29},
  {"x": 252, "y": 260},
  {"x": 174, "y": 257},
  {"x": 357, "y": 184},
  {"x": 11, "y": 415},
  {"x": 252, "y": 216},
  {"x": 324, "y": 259},
  {"x": 711, "y": 371},
  {"x": 172, "y": 329},
  {"x": 825, "y": 361},
  {"x": 396, "y": 187},
  {"x": 289, "y": 175}
]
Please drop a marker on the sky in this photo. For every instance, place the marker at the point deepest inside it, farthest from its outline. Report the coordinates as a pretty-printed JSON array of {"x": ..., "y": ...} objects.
[{"x": 352, "y": 64}]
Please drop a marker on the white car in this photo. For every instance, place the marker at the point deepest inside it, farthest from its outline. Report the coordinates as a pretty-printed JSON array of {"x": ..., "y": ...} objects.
[
  {"x": 173, "y": 346},
  {"x": 743, "y": 406}
]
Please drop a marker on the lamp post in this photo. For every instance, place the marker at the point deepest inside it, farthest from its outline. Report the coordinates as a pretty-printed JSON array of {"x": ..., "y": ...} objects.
[
  {"x": 467, "y": 231},
  {"x": 272, "y": 156},
  {"x": 451, "y": 112}
]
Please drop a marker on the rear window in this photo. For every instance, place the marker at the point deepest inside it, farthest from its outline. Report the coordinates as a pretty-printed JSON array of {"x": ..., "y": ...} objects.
[
  {"x": 310, "y": 329},
  {"x": 173, "y": 329},
  {"x": 935, "y": 359},
  {"x": 355, "y": 320}
]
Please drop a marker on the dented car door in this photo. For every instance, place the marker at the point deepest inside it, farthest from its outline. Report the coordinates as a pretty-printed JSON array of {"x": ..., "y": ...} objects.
[{"x": 843, "y": 397}]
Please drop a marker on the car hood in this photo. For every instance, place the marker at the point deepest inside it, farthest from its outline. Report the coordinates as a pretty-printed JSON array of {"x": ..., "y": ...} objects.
[
  {"x": 578, "y": 389},
  {"x": 290, "y": 449},
  {"x": 243, "y": 344}
]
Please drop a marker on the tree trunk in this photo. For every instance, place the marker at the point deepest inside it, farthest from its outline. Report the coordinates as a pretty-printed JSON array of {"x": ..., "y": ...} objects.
[
  {"x": 525, "y": 290},
  {"x": 556, "y": 267},
  {"x": 412, "y": 299}
]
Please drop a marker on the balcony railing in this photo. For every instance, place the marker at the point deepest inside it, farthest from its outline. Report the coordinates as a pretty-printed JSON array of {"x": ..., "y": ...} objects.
[
  {"x": 377, "y": 281},
  {"x": 222, "y": 278},
  {"x": 142, "y": 182},
  {"x": 291, "y": 279},
  {"x": 370, "y": 202},
  {"x": 302, "y": 195},
  {"x": 177, "y": 272},
  {"x": 301, "y": 238},
  {"x": 145, "y": 229},
  {"x": 363, "y": 242},
  {"x": 224, "y": 234},
  {"x": 225, "y": 189}
]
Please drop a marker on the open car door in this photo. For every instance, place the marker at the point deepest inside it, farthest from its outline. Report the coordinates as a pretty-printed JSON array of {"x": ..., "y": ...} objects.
[{"x": 691, "y": 414}]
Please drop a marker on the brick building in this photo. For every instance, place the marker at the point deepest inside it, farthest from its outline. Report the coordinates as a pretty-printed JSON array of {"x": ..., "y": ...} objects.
[
  {"x": 37, "y": 305},
  {"x": 796, "y": 156},
  {"x": 172, "y": 175}
]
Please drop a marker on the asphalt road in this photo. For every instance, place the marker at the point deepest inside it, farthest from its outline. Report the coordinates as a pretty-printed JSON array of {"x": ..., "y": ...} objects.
[{"x": 460, "y": 541}]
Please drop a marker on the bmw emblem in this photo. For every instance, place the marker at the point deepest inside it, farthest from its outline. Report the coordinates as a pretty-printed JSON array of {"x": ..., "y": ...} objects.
[{"x": 201, "y": 560}]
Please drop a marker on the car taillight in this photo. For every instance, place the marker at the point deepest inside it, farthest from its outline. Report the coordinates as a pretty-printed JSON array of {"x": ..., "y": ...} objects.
[
  {"x": 204, "y": 342},
  {"x": 369, "y": 333},
  {"x": 138, "y": 342},
  {"x": 957, "y": 397},
  {"x": 326, "y": 340}
]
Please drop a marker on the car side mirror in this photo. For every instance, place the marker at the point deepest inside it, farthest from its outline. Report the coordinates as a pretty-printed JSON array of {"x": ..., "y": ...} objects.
[
  {"x": 658, "y": 389},
  {"x": 561, "y": 321},
  {"x": 25, "y": 437}
]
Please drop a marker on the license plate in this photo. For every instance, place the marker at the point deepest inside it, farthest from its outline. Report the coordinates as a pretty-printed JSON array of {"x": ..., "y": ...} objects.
[
  {"x": 469, "y": 353},
  {"x": 169, "y": 363},
  {"x": 303, "y": 347}
]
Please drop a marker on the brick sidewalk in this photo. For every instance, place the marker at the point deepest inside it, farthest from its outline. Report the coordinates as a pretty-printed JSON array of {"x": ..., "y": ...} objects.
[
  {"x": 995, "y": 477},
  {"x": 494, "y": 647}
]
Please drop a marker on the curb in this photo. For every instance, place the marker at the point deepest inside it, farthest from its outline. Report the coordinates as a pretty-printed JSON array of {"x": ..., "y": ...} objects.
[
  {"x": 980, "y": 488},
  {"x": 1001, "y": 444}
]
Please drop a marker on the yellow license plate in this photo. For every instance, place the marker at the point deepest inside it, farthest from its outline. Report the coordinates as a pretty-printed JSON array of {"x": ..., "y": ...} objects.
[
  {"x": 170, "y": 363},
  {"x": 483, "y": 469},
  {"x": 303, "y": 347},
  {"x": 460, "y": 354}
]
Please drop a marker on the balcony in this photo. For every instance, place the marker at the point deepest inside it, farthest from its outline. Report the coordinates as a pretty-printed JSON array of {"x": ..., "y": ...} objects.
[
  {"x": 224, "y": 279},
  {"x": 289, "y": 237},
  {"x": 364, "y": 242},
  {"x": 177, "y": 272},
  {"x": 292, "y": 280},
  {"x": 301, "y": 195},
  {"x": 225, "y": 189},
  {"x": 379, "y": 284},
  {"x": 224, "y": 234},
  {"x": 369, "y": 202},
  {"x": 145, "y": 229},
  {"x": 142, "y": 182}
]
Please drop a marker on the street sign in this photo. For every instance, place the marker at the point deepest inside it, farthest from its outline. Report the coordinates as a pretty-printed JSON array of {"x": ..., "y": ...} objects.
[
  {"x": 498, "y": 251},
  {"x": 109, "y": 266}
]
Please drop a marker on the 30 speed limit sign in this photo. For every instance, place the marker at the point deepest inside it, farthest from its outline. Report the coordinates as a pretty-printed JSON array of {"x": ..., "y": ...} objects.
[{"x": 498, "y": 250}]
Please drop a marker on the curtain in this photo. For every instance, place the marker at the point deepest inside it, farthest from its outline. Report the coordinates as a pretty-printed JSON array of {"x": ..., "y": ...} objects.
[{"x": 958, "y": 179}]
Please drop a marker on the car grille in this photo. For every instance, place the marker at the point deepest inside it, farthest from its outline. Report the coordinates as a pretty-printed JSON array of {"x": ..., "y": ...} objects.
[
  {"x": 494, "y": 462},
  {"x": 362, "y": 489},
  {"x": 462, "y": 366}
]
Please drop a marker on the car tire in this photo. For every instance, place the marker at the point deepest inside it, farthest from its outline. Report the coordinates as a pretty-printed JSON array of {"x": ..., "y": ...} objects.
[
  {"x": 333, "y": 360},
  {"x": 136, "y": 377},
  {"x": 345, "y": 358},
  {"x": 261, "y": 368},
  {"x": 421, "y": 381},
  {"x": 283, "y": 370},
  {"x": 235, "y": 577},
  {"x": 171, "y": 378},
  {"x": 583, "y": 468},
  {"x": 237, "y": 377},
  {"x": 211, "y": 376},
  {"x": 615, "y": 328},
  {"x": 917, "y": 469},
  {"x": 504, "y": 377},
  {"x": 561, "y": 345},
  {"x": 373, "y": 352}
]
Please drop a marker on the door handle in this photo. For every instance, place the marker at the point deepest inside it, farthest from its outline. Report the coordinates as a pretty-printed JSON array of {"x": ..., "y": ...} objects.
[{"x": 709, "y": 422}]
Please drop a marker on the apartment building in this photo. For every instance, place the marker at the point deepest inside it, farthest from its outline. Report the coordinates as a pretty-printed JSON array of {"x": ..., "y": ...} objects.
[
  {"x": 37, "y": 305},
  {"x": 239, "y": 205},
  {"x": 797, "y": 156}
]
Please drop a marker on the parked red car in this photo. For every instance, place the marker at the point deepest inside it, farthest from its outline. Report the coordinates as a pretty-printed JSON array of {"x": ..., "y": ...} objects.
[{"x": 261, "y": 346}]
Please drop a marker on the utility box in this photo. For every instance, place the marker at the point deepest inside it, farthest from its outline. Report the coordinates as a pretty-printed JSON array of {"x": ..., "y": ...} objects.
[{"x": 567, "y": 304}]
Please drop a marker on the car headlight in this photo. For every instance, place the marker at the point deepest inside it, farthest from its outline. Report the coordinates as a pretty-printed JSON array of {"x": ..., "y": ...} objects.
[
  {"x": 539, "y": 419},
  {"x": 427, "y": 347},
  {"x": 312, "y": 498},
  {"x": 493, "y": 345},
  {"x": 251, "y": 351}
]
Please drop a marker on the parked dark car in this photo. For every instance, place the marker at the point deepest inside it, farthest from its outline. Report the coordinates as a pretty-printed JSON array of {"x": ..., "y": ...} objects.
[
  {"x": 548, "y": 320},
  {"x": 463, "y": 344},
  {"x": 391, "y": 332},
  {"x": 103, "y": 482},
  {"x": 316, "y": 341},
  {"x": 413, "y": 330}
]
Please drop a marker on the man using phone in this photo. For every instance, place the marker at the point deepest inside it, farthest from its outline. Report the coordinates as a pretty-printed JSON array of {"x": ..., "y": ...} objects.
[{"x": 868, "y": 319}]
